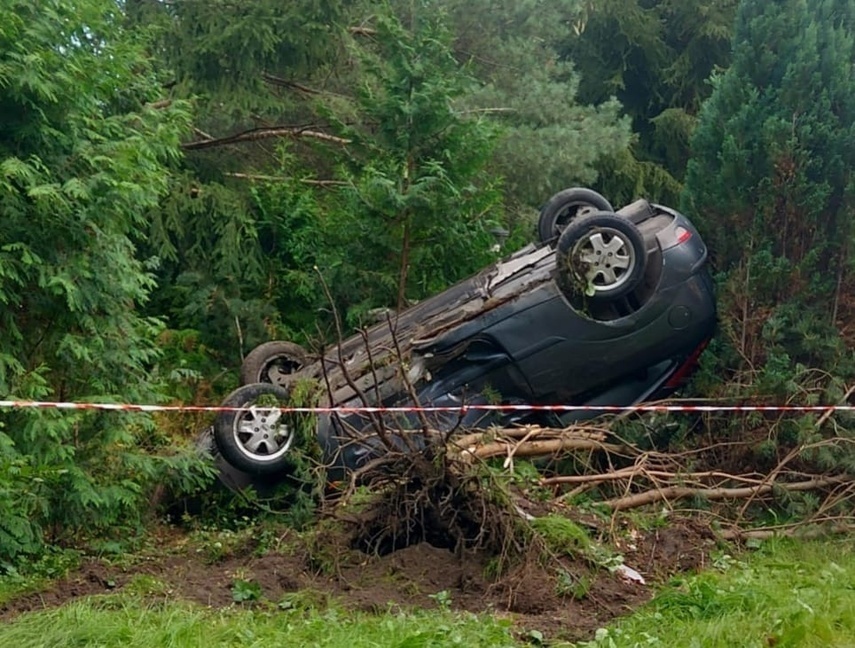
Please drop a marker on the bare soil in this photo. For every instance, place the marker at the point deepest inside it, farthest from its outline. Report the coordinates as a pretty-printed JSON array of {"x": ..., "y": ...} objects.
[{"x": 404, "y": 579}]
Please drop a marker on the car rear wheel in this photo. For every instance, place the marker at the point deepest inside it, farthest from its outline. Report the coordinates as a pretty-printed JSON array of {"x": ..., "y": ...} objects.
[
  {"x": 272, "y": 362},
  {"x": 564, "y": 207},
  {"x": 601, "y": 256},
  {"x": 255, "y": 436}
]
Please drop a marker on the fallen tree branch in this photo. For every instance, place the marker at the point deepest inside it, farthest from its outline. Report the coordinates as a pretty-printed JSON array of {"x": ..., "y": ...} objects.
[
  {"x": 203, "y": 134},
  {"x": 530, "y": 441},
  {"x": 362, "y": 31},
  {"x": 537, "y": 448},
  {"x": 531, "y": 431},
  {"x": 684, "y": 492},
  {"x": 285, "y": 83},
  {"x": 635, "y": 471},
  {"x": 827, "y": 414},
  {"x": 272, "y": 178},
  {"x": 256, "y": 134},
  {"x": 804, "y": 530},
  {"x": 791, "y": 455},
  {"x": 486, "y": 111}
]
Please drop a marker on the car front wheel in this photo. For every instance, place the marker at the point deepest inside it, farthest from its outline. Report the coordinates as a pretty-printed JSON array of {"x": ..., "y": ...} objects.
[
  {"x": 254, "y": 435},
  {"x": 600, "y": 255}
]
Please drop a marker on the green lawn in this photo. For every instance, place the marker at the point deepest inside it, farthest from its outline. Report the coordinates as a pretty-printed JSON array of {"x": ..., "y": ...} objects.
[
  {"x": 785, "y": 594},
  {"x": 129, "y": 622}
]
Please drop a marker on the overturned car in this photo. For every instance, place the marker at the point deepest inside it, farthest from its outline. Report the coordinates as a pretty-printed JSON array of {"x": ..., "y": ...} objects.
[{"x": 610, "y": 308}]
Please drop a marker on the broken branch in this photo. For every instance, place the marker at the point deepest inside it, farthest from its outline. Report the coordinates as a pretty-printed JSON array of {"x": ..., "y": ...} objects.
[
  {"x": 362, "y": 31},
  {"x": 685, "y": 492},
  {"x": 635, "y": 471},
  {"x": 272, "y": 178},
  {"x": 256, "y": 134},
  {"x": 537, "y": 448},
  {"x": 285, "y": 83}
]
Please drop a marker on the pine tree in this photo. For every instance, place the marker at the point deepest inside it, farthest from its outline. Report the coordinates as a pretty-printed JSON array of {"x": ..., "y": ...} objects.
[
  {"x": 263, "y": 167},
  {"x": 551, "y": 138},
  {"x": 771, "y": 185},
  {"x": 254, "y": 71},
  {"x": 772, "y": 168},
  {"x": 655, "y": 56},
  {"x": 409, "y": 215}
]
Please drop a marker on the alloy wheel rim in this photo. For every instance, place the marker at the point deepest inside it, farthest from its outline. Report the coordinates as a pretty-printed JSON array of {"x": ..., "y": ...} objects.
[{"x": 608, "y": 258}]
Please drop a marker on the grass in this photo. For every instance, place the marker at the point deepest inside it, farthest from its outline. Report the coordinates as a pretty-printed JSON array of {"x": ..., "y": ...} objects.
[
  {"x": 131, "y": 621},
  {"x": 787, "y": 593}
]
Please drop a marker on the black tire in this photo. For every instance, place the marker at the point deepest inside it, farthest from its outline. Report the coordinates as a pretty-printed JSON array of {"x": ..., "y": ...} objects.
[
  {"x": 232, "y": 478},
  {"x": 601, "y": 256},
  {"x": 272, "y": 362},
  {"x": 272, "y": 433},
  {"x": 566, "y": 206}
]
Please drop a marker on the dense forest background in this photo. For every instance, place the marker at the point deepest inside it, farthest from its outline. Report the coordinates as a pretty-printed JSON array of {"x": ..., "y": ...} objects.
[{"x": 179, "y": 180}]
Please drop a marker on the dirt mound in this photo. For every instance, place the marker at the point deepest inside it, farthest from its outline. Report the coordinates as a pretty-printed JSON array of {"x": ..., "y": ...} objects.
[{"x": 418, "y": 576}]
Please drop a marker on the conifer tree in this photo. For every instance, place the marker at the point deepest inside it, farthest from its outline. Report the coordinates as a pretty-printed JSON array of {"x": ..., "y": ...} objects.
[
  {"x": 770, "y": 183},
  {"x": 253, "y": 71},
  {"x": 416, "y": 189},
  {"x": 551, "y": 138},
  {"x": 655, "y": 56},
  {"x": 83, "y": 155}
]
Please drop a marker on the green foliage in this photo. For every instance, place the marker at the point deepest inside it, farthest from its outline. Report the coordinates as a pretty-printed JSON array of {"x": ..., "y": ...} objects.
[
  {"x": 399, "y": 213},
  {"x": 236, "y": 62},
  {"x": 212, "y": 269},
  {"x": 770, "y": 184},
  {"x": 562, "y": 535},
  {"x": 32, "y": 575},
  {"x": 416, "y": 193},
  {"x": 82, "y": 158},
  {"x": 294, "y": 240},
  {"x": 771, "y": 175},
  {"x": 770, "y": 181},
  {"x": 442, "y": 598},
  {"x": 226, "y": 53},
  {"x": 551, "y": 138},
  {"x": 655, "y": 56},
  {"x": 245, "y": 591},
  {"x": 215, "y": 544},
  {"x": 787, "y": 594}
]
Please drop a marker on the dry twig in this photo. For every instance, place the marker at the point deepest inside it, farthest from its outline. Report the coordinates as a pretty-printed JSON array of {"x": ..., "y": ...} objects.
[{"x": 750, "y": 492}]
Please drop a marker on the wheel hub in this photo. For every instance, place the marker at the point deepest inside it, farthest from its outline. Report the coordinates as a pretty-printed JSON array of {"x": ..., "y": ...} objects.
[
  {"x": 607, "y": 257},
  {"x": 263, "y": 434},
  {"x": 280, "y": 371}
]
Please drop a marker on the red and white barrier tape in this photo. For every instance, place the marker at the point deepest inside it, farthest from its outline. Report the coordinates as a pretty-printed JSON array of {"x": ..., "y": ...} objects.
[{"x": 650, "y": 407}]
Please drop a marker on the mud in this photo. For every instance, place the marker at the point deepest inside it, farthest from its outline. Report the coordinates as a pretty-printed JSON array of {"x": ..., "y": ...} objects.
[{"x": 418, "y": 576}]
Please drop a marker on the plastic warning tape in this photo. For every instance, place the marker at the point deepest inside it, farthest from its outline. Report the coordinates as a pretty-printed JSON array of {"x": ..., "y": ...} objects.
[{"x": 644, "y": 407}]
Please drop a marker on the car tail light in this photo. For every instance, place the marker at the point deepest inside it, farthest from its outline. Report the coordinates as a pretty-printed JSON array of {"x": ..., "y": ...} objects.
[
  {"x": 689, "y": 364},
  {"x": 670, "y": 238},
  {"x": 682, "y": 234}
]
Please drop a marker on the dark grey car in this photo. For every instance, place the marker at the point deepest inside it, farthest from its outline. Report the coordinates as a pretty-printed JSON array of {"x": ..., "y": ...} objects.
[{"x": 610, "y": 308}]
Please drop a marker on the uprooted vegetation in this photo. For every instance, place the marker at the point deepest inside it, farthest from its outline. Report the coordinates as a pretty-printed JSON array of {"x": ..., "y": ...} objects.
[
  {"x": 591, "y": 467},
  {"x": 552, "y": 501},
  {"x": 773, "y": 472}
]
